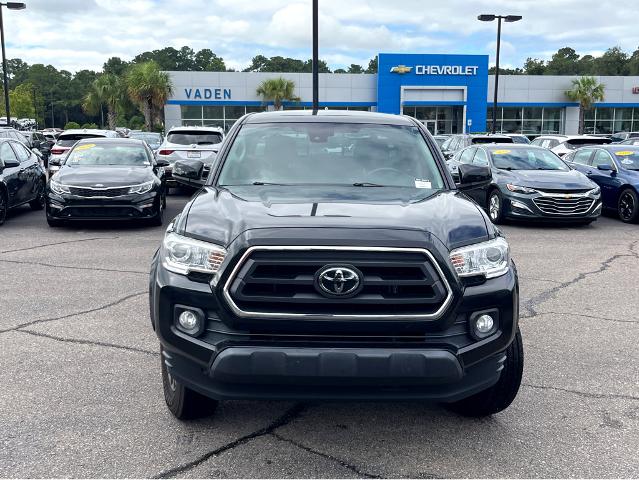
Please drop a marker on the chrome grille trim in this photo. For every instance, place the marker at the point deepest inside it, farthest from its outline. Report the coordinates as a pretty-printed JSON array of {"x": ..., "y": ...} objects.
[
  {"x": 558, "y": 205},
  {"x": 427, "y": 316}
]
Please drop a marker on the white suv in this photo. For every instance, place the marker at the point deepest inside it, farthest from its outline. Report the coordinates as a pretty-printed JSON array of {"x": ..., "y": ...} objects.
[
  {"x": 563, "y": 144},
  {"x": 67, "y": 139},
  {"x": 190, "y": 143}
]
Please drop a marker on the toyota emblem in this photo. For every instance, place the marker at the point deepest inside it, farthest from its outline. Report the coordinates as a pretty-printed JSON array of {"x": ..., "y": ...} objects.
[{"x": 338, "y": 281}]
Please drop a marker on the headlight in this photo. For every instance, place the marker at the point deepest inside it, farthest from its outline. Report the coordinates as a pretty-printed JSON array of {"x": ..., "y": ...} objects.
[
  {"x": 183, "y": 255},
  {"x": 595, "y": 191},
  {"x": 58, "y": 188},
  {"x": 142, "y": 188},
  {"x": 489, "y": 258},
  {"x": 518, "y": 189}
]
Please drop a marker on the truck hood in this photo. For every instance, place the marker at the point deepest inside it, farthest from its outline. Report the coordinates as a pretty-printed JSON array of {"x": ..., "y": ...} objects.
[{"x": 221, "y": 214}]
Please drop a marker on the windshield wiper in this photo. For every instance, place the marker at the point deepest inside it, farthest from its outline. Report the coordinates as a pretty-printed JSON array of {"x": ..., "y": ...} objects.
[
  {"x": 268, "y": 183},
  {"x": 506, "y": 168},
  {"x": 367, "y": 184}
]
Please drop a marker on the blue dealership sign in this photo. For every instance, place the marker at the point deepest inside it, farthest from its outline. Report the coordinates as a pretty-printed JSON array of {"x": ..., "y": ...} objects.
[{"x": 446, "y": 80}]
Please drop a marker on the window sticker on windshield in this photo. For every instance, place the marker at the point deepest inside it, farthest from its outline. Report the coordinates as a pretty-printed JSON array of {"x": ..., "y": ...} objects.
[
  {"x": 419, "y": 183},
  {"x": 623, "y": 153},
  {"x": 627, "y": 161},
  {"x": 500, "y": 152},
  {"x": 85, "y": 147}
]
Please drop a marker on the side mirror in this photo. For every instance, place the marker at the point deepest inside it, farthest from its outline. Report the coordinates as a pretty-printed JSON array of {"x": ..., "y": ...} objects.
[
  {"x": 188, "y": 169},
  {"x": 606, "y": 167},
  {"x": 10, "y": 163},
  {"x": 161, "y": 162},
  {"x": 473, "y": 176},
  {"x": 55, "y": 161}
]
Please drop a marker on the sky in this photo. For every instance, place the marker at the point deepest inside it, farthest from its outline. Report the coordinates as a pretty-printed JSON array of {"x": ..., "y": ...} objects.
[{"x": 82, "y": 34}]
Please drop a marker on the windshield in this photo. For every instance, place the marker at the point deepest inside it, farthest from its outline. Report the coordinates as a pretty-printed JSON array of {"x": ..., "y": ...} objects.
[
  {"x": 526, "y": 159},
  {"x": 147, "y": 137},
  {"x": 194, "y": 137},
  {"x": 331, "y": 154},
  {"x": 629, "y": 159},
  {"x": 70, "y": 140},
  {"x": 95, "y": 154}
]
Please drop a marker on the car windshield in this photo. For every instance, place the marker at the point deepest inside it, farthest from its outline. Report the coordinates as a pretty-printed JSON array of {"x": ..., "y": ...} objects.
[
  {"x": 194, "y": 137},
  {"x": 70, "y": 140},
  {"x": 629, "y": 159},
  {"x": 331, "y": 154},
  {"x": 150, "y": 138},
  {"x": 96, "y": 154},
  {"x": 526, "y": 159}
]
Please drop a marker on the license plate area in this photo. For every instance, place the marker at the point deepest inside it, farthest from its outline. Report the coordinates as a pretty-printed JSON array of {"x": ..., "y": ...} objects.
[{"x": 193, "y": 154}]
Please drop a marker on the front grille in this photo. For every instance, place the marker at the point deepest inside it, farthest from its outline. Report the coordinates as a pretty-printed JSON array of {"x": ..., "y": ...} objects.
[
  {"x": 563, "y": 206},
  {"x": 99, "y": 192},
  {"x": 280, "y": 282},
  {"x": 101, "y": 212}
]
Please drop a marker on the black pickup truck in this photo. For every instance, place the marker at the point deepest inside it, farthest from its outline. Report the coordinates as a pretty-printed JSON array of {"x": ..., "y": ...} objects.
[{"x": 330, "y": 255}]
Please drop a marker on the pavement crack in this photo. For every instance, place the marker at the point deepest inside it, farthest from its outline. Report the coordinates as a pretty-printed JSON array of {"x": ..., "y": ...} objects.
[
  {"x": 581, "y": 393},
  {"x": 57, "y": 243},
  {"x": 529, "y": 305},
  {"x": 71, "y": 267},
  {"x": 572, "y": 314},
  {"x": 88, "y": 342},
  {"x": 91, "y": 310},
  {"x": 327, "y": 456},
  {"x": 291, "y": 414}
]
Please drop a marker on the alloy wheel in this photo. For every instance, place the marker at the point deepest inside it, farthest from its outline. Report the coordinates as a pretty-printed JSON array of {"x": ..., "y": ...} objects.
[
  {"x": 3, "y": 208},
  {"x": 494, "y": 207},
  {"x": 626, "y": 206}
]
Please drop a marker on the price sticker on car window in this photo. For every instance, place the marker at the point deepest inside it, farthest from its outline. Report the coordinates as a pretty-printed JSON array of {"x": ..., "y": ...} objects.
[
  {"x": 85, "y": 147},
  {"x": 420, "y": 183},
  {"x": 624, "y": 153},
  {"x": 627, "y": 161},
  {"x": 501, "y": 152}
]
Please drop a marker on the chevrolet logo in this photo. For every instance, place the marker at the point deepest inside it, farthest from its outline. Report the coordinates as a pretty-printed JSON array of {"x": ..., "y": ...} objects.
[
  {"x": 567, "y": 195},
  {"x": 401, "y": 69}
]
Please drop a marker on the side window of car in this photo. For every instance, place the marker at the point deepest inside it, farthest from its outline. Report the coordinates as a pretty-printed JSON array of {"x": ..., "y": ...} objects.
[
  {"x": 21, "y": 152},
  {"x": 467, "y": 155},
  {"x": 447, "y": 143},
  {"x": 601, "y": 158},
  {"x": 582, "y": 156},
  {"x": 569, "y": 157},
  {"x": 480, "y": 158},
  {"x": 6, "y": 153}
]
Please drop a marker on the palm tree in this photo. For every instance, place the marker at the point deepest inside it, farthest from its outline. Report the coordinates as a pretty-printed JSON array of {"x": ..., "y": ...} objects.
[
  {"x": 149, "y": 88},
  {"x": 586, "y": 91},
  {"x": 278, "y": 90},
  {"x": 107, "y": 90}
]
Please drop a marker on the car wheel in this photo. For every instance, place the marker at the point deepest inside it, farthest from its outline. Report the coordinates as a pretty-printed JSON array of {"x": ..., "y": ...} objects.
[
  {"x": 499, "y": 396},
  {"x": 38, "y": 202},
  {"x": 183, "y": 402},
  {"x": 628, "y": 206},
  {"x": 54, "y": 222},
  {"x": 4, "y": 206},
  {"x": 158, "y": 219},
  {"x": 495, "y": 207}
]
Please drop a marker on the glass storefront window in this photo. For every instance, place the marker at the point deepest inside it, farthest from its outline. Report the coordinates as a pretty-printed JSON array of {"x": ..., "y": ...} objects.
[
  {"x": 191, "y": 123},
  {"x": 511, "y": 113},
  {"x": 532, "y": 127},
  {"x": 213, "y": 112},
  {"x": 552, "y": 113},
  {"x": 234, "y": 112},
  {"x": 191, "y": 112},
  {"x": 426, "y": 113},
  {"x": 214, "y": 123},
  {"x": 589, "y": 114},
  {"x": 533, "y": 112},
  {"x": 253, "y": 109},
  {"x": 551, "y": 126},
  {"x": 604, "y": 114}
]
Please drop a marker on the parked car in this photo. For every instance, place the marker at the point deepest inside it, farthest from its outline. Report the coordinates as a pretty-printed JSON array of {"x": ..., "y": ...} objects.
[
  {"x": 22, "y": 178},
  {"x": 518, "y": 137},
  {"x": 297, "y": 273},
  {"x": 458, "y": 142},
  {"x": 38, "y": 142},
  {"x": 563, "y": 144},
  {"x": 630, "y": 141},
  {"x": 191, "y": 143},
  {"x": 619, "y": 137},
  {"x": 13, "y": 134},
  {"x": 67, "y": 139},
  {"x": 440, "y": 139},
  {"x": 152, "y": 139},
  {"x": 107, "y": 179},
  {"x": 531, "y": 183},
  {"x": 615, "y": 168}
]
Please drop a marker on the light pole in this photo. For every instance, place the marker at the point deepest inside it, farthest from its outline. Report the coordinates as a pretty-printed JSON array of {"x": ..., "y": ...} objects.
[
  {"x": 490, "y": 18},
  {"x": 315, "y": 56},
  {"x": 10, "y": 6}
]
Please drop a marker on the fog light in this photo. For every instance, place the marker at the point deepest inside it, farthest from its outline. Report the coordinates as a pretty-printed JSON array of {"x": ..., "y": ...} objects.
[
  {"x": 189, "y": 321},
  {"x": 483, "y": 324}
]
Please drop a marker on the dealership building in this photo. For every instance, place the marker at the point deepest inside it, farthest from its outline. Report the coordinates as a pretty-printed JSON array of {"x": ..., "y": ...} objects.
[{"x": 448, "y": 93}]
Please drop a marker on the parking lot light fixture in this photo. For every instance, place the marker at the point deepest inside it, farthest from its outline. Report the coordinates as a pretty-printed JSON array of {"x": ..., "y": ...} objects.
[
  {"x": 490, "y": 18},
  {"x": 5, "y": 77}
]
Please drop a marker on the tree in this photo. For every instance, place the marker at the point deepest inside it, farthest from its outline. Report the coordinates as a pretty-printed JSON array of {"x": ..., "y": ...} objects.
[
  {"x": 563, "y": 62},
  {"x": 340, "y": 70},
  {"x": 107, "y": 90},
  {"x": 354, "y": 68},
  {"x": 149, "y": 88},
  {"x": 207, "y": 61},
  {"x": 534, "y": 66},
  {"x": 372, "y": 66},
  {"x": 116, "y": 66},
  {"x": 20, "y": 100},
  {"x": 586, "y": 91},
  {"x": 278, "y": 90},
  {"x": 613, "y": 62}
]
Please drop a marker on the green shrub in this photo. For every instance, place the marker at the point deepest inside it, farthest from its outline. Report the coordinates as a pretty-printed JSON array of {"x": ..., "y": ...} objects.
[
  {"x": 92, "y": 126},
  {"x": 71, "y": 125}
]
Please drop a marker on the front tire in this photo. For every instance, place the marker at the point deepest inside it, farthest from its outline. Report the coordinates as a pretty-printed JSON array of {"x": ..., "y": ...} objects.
[
  {"x": 499, "y": 396},
  {"x": 628, "y": 206},
  {"x": 4, "y": 206},
  {"x": 158, "y": 219},
  {"x": 38, "y": 202},
  {"x": 495, "y": 207},
  {"x": 182, "y": 402}
]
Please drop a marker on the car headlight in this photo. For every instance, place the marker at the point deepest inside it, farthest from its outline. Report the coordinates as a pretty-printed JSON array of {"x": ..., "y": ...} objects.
[
  {"x": 142, "y": 188},
  {"x": 58, "y": 188},
  {"x": 489, "y": 258},
  {"x": 595, "y": 191},
  {"x": 184, "y": 255},
  {"x": 519, "y": 189}
]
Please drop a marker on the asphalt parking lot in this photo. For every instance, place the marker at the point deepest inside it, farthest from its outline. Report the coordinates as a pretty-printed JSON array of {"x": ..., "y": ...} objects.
[{"x": 81, "y": 392}]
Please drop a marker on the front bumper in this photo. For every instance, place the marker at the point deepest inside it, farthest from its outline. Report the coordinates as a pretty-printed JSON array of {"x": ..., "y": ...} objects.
[
  {"x": 518, "y": 206},
  {"x": 437, "y": 360},
  {"x": 128, "y": 207}
]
